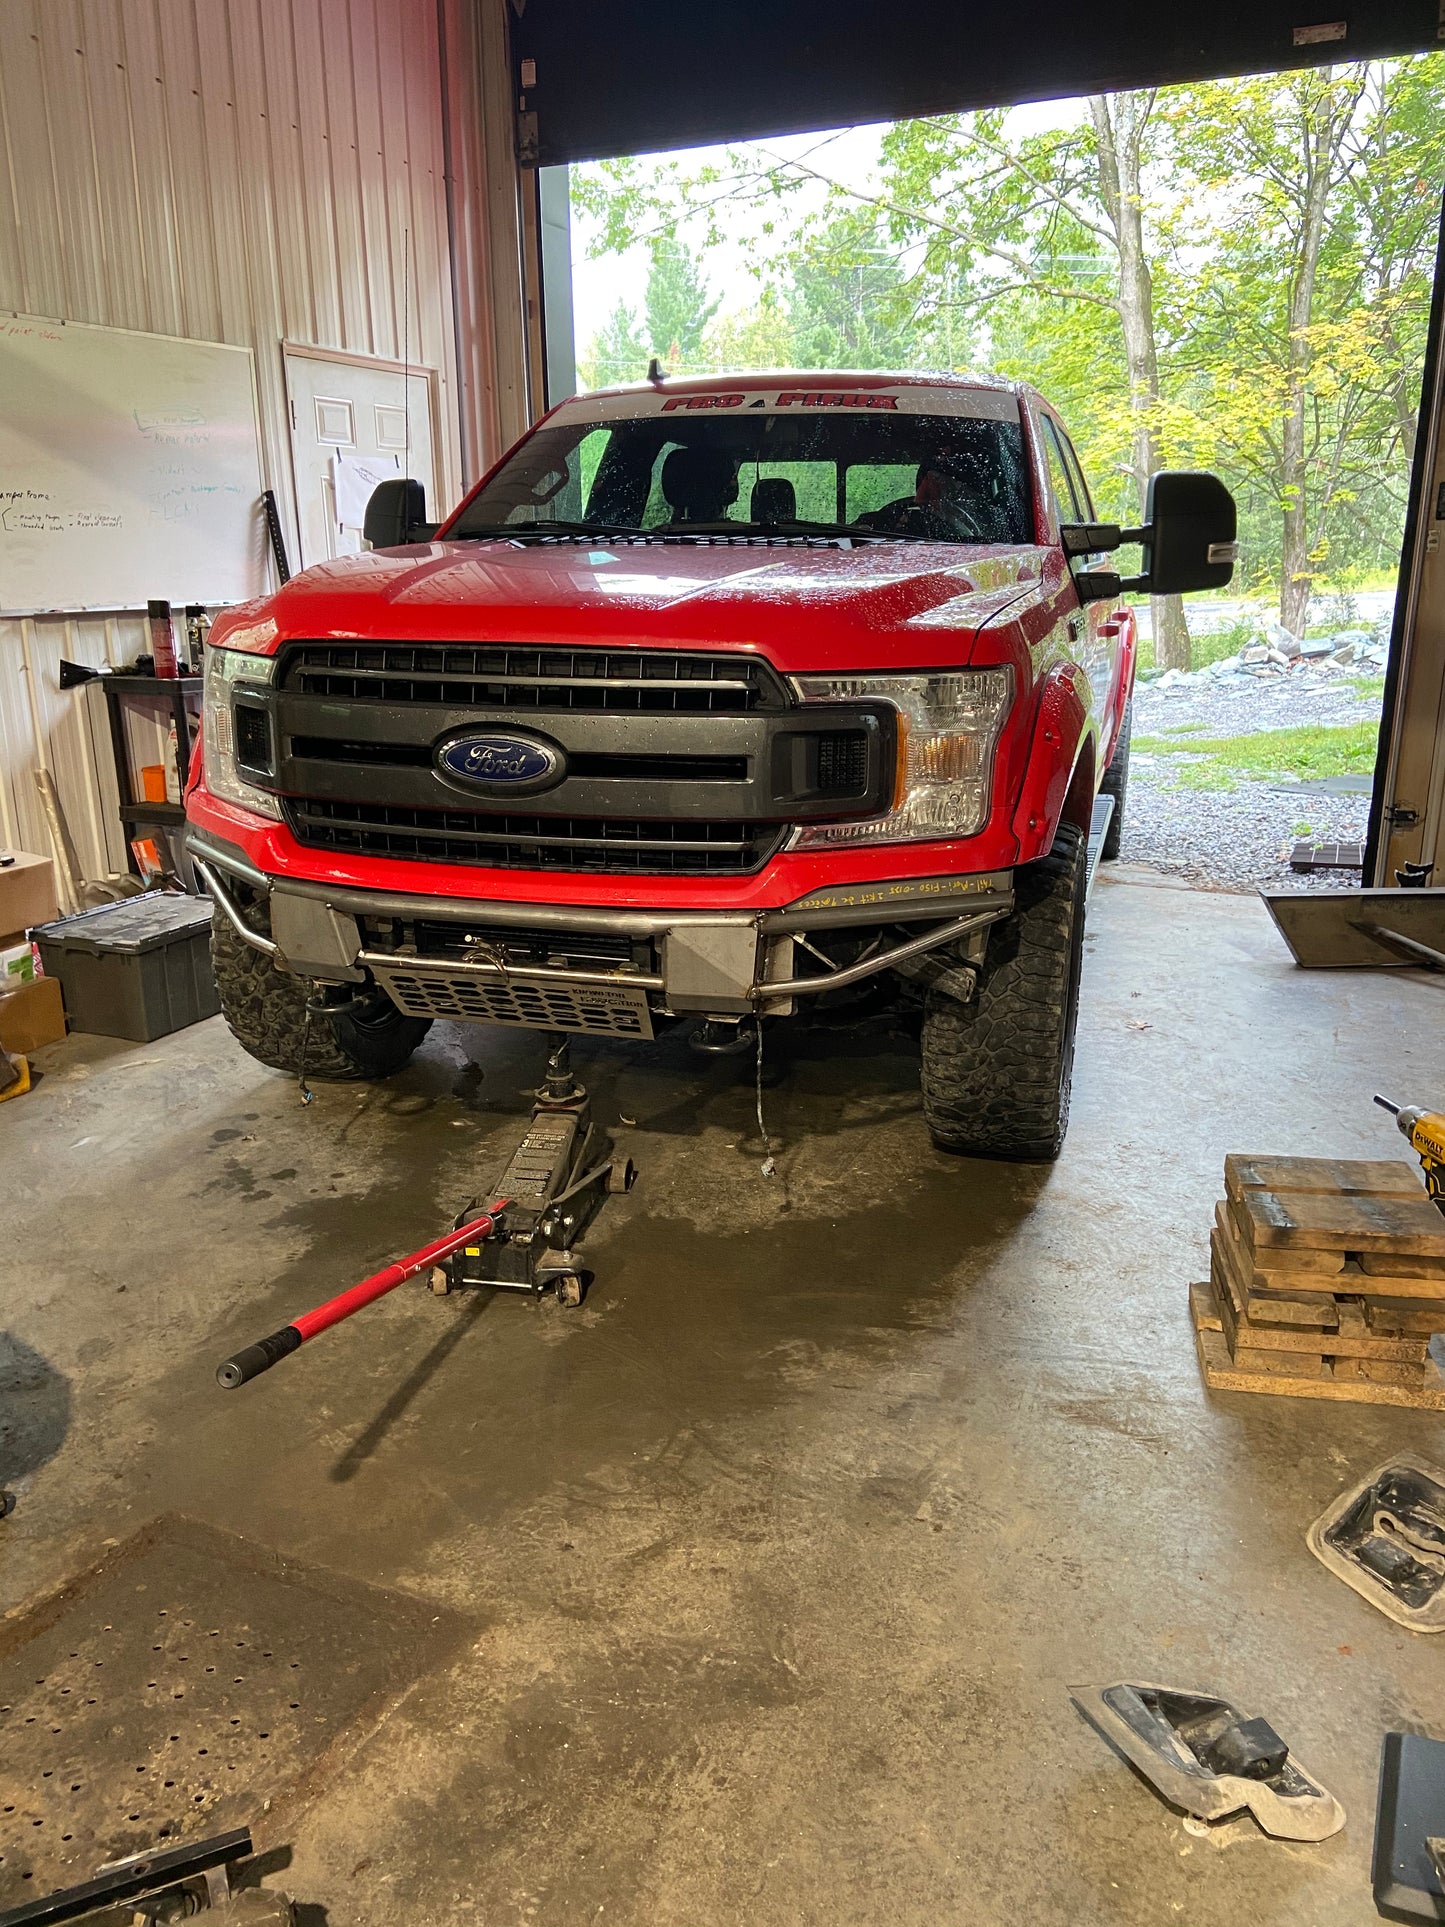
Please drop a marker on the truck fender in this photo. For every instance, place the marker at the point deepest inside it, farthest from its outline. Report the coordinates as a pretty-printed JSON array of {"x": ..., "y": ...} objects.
[{"x": 1060, "y": 768}]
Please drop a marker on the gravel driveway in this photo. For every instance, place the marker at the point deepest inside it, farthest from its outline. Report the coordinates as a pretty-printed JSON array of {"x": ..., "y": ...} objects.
[{"x": 1237, "y": 839}]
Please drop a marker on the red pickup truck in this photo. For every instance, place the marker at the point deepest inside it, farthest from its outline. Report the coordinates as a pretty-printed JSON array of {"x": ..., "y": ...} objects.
[{"x": 719, "y": 701}]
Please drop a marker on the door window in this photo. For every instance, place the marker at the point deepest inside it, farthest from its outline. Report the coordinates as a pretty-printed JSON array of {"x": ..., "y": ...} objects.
[
  {"x": 1065, "y": 498},
  {"x": 1076, "y": 471}
]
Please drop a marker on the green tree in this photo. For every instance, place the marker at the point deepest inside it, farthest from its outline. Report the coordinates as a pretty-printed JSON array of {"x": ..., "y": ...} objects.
[
  {"x": 1302, "y": 328},
  {"x": 618, "y": 353},
  {"x": 677, "y": 309},
  {"x": 757, "y": 337},
  {"x": 847, "y": 299}
]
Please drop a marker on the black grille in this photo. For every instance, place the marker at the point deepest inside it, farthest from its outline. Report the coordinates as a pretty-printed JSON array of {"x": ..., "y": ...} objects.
[
  {"x": 686, "y": 848},
  {"x": 490, "y": 676},
  {"x": 842, "y": 762},
  {"x": 253, "y": 737}
]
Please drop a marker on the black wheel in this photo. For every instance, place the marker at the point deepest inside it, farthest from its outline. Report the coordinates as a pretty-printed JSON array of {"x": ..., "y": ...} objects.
[
  {"x": 997, "y": 1069},
  {"x": 266, "y": 1010},
  {"x": 1116, "y": 784}
]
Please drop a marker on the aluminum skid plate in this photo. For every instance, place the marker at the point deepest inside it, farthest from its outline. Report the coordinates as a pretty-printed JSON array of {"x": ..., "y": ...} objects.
[{"x": 601, "y": 1010}]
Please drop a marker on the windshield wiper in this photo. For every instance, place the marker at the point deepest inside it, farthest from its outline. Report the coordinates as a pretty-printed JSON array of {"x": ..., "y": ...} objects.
[
  {"x": 538, "y": 531},
  {"x": 796, "y": 530}
]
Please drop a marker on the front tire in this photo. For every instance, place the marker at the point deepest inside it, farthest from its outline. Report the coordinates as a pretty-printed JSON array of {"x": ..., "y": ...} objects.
[
  {"x": 266, "y": 1010},
  {"x": 1116, "y": 784},
  {"x": 997, "y": 1070}
]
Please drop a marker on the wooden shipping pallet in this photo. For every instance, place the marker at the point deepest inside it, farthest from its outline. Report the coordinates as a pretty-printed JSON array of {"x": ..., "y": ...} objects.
[
  {"x": 1347, "y": 1334},
  {"x": 1375, "y": 1207},
  {"x": 1314, "y": 1300},
  {"x": 1362, "y": 1381},
  {"x": 1327, "y": 1280}
]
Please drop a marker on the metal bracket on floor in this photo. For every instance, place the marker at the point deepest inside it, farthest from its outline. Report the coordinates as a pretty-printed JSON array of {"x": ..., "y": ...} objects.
[
  {"x": 1202, "y": 1754},
  {"x": 165, "y": 1885}
]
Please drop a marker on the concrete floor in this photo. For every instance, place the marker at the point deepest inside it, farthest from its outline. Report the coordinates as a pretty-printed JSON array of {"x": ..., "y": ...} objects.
[{"x": 785, "y": 1549}]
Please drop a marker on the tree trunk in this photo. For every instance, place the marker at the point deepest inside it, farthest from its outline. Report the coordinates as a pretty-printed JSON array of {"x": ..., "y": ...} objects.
[
  {"x": 1119, "y": 124},
  {"x": 1171, "y": 632},
  {"x": 1326, "y": 123},
  {"x": 1295, "y": 577}
]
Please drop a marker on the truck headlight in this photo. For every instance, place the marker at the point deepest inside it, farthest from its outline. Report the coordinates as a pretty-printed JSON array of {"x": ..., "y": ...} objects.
[
  {"x": 225, "y": 668},
  {"x": 947, "y": 728}
]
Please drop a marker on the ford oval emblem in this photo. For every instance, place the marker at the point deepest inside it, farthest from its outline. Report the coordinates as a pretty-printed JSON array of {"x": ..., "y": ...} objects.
[{"x": 502, "y": 760}]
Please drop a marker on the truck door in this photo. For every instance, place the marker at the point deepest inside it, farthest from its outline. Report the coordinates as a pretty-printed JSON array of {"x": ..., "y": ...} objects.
[
  {"x": 1111, "y": 622},
  {"x": 1095, "y": 627}
]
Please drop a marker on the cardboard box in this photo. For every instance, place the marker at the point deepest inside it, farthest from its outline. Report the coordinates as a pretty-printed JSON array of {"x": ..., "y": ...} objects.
[
  {"x": 27, "y": 891},
  {"x": 32, "y": 1015}
]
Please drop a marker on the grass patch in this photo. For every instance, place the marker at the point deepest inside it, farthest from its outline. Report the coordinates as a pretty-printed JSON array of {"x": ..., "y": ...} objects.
[
  {"x": 1319, "y": 749},
  {"x": 1206, "y": 774},
  {"x": 1371, "y": 688}
]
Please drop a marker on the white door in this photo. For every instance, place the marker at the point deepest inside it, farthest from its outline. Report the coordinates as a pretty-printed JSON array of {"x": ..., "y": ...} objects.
[{"x": 353, "y": 412}]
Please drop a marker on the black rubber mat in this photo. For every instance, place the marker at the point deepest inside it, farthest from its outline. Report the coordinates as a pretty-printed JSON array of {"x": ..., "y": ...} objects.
[{"x": 173, "y": 1689}]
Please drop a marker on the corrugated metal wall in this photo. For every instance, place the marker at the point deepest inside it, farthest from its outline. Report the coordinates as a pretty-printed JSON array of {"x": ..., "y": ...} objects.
[{"x": 227, "y": 170}]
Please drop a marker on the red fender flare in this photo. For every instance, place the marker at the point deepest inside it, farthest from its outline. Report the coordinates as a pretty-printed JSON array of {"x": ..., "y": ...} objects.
[{"x": 1061, "y": 736}]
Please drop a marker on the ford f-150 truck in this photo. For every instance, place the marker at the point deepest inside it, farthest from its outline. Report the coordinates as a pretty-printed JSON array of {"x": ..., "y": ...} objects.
[{"x": 724, "y": 700}]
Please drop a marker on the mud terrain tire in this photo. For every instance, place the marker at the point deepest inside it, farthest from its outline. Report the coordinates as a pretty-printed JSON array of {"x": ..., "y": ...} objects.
[
  {"x": 997, "y": 1069},
  {"x": 266, "y": 1010},
  {"x": 1116, "y": 784}
]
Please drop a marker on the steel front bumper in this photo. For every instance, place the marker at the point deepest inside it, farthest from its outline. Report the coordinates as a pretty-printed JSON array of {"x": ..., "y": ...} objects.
[{"x": 723, "y": 964}]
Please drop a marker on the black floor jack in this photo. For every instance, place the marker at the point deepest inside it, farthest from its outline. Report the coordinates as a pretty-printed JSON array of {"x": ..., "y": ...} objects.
[{"x": 551, "y": 1189}]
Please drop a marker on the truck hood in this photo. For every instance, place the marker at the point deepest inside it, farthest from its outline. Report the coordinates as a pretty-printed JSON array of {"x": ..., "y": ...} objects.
[{"x": 882, "y": 604}]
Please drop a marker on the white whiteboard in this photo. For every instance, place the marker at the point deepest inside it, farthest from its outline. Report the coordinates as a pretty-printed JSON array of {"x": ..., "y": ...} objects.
[{"x": 129, "y": 469}]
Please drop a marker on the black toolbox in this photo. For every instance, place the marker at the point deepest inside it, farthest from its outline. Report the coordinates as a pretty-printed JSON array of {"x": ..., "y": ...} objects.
[{"x": 138, "y": 968}]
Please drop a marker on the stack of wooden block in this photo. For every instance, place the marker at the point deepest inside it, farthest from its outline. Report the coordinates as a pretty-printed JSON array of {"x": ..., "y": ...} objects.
[{"x": 1327, "y": 1280}]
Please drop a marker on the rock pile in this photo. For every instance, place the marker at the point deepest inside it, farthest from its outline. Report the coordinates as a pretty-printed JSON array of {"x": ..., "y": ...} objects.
[{"x": 1278, "y": 653}]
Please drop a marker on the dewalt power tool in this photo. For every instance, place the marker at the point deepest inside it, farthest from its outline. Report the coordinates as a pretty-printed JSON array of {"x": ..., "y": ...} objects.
[{"x": 1426, "y": 1133}]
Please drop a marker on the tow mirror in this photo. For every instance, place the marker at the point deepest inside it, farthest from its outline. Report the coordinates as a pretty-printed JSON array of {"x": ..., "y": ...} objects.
[
  {"x": 396, "y": 515},
  {"x": 1188, "y": 539}
]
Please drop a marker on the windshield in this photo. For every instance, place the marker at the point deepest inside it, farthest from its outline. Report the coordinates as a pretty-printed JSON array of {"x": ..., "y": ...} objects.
[{"x": 821, "y": 470}]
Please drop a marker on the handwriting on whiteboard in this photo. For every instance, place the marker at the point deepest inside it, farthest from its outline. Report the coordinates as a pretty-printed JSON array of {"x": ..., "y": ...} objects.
[
  {"x": 29, "y": 330},
  {"x": 43, "y": 521}
]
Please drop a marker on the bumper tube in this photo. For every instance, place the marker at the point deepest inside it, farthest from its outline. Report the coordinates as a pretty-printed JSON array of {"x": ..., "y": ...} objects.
[
  {"x": 228, "y": 909},
  {"x": 853, "y": 973},
  {"x": 904, "y": 902},
  {"x": 759, "y": 993}
]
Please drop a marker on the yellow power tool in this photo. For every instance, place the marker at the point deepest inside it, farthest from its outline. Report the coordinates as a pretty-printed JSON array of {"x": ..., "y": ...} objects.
[{"x": 1426, "y": 1133}]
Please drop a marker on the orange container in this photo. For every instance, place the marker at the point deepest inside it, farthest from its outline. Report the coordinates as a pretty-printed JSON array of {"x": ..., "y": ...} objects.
[{"x": 153, "y": 782}]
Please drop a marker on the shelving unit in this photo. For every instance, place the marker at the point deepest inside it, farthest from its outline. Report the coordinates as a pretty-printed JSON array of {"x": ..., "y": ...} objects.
[{"x": 122, "y": 692}]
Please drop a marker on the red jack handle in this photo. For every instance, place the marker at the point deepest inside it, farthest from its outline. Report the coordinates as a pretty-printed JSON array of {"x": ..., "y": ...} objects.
[{"x": 260, "y": 1357}]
